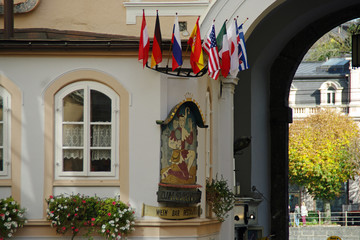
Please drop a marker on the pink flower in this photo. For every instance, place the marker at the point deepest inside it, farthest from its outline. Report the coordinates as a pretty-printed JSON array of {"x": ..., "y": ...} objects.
[
  {"x": 93, "y": 219},
  {"x": 75, "y": 214},
  {"x": 63, "y": 228},
  {"x": 51, "y": 196},
  {"x": 84, "y": 201},
  {"x": 68, "y": 215},
  {"x": 114, "y": 203},
  {"x": 109, "y": 214},
  {"x": 76, "y": 230}
]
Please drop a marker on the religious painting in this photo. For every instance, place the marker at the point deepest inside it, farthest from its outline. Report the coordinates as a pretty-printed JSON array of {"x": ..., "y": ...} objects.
[
  {"x": 179, "y": 144},
  {"x": 179, "y": 154}
]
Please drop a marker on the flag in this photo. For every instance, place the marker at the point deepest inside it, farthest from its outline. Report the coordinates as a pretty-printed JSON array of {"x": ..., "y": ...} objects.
[
  {"x": 243, "y": 61},
  {"x": 196, "y": 56},
  {"x": 144, "y": 44},
  {"x": 224, "y": 53},
  {"x": 176, "y": 46},
  {"x": 156, "y": 56},
  {"x": 234, "y": 52},
  {"x": 210, "y": 47}
]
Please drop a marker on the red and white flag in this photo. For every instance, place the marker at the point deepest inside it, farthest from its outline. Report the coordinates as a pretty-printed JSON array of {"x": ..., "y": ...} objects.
[
  {"x": 233, "y": 44},
  {"x": 210, "y": 47},
  {"x": 144, "y": 44}
]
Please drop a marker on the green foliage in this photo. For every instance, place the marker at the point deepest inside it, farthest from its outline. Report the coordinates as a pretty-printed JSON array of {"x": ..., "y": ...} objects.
[
  {"x": 323, "y": 153},
  {"x": 354, "y": 27},
  {"x": 110, "y": 217},
  {"x": 220, "y": 197},
  {"x": 11, "y": 217},
  {"x": 330, "y": 47}
]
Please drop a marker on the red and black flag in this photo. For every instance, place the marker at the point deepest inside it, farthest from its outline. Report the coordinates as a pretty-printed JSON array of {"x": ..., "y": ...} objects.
[{"x": 156, "y": 56}]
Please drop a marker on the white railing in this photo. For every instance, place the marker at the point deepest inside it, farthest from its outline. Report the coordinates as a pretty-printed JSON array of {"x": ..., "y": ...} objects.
[
  {"x": 302, "y": 112},
  {"x": 347, "y": 218}
]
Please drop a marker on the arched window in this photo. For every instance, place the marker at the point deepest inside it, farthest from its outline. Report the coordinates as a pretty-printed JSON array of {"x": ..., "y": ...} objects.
[
  {"x": 5, "y": 120},
  {"x": 86, "y": 130},
  {"x": 331, "y": 93},
  {"x": 208, "y": 138}
]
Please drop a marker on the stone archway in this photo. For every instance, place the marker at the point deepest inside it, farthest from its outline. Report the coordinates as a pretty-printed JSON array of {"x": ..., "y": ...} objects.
[
  {"x": 281, "y": 75},
  {"x": 276, "y": 47}
]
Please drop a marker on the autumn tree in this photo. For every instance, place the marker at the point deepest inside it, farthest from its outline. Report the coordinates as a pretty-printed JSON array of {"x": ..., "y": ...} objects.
[{"x": 323, "y": 153}]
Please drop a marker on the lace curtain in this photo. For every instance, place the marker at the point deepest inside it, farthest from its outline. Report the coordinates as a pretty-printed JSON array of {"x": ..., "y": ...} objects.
[{"x": 73, "y": 136}]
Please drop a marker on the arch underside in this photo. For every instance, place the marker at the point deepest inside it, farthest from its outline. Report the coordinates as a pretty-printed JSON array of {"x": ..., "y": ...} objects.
[{"x": 275, "y": 49}]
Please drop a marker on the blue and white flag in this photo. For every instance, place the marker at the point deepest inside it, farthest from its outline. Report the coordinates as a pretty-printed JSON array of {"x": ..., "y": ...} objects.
[
  {"x": 243, "y": 61},
  {"x": 176, "y": 46}
]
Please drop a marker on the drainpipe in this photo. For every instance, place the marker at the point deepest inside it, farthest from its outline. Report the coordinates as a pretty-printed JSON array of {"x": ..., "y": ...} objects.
[{"x": 8, "y": 19}]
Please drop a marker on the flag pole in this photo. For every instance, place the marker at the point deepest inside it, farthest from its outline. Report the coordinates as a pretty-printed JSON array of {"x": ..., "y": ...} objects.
[
  {"x": 167, "y": 64},
  {"x": 187, "y": 48},
  {"x": 243, "y": 21}
]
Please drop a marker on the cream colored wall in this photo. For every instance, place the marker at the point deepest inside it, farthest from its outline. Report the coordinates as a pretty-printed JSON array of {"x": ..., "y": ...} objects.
[
  {"x": 151, "y": 96},
  {"x": 105, "y": 16}
]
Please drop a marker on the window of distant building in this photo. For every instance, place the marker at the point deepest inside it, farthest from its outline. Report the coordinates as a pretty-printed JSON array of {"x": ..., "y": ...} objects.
[
  {"x": 331, "y": 93},
  {"x": 86, "y": 130}
]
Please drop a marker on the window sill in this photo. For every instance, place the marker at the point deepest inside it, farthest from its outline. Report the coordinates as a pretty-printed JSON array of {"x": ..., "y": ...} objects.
[
  {"x": 5, "y": 183},
  {"x": 86, "y": 183}
]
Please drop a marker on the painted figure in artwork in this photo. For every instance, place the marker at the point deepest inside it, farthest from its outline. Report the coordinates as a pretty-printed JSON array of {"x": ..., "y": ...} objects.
[{"x": 181, "y": 142}]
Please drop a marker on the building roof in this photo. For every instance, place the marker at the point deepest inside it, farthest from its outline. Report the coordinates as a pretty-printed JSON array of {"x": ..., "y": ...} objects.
[
  {"x": 334, "y": 67},
  {"x": 311, "y": 75}
]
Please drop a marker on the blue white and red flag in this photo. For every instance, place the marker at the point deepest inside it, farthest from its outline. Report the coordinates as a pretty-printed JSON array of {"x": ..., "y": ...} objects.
[
  {"x": 176, "y": 45},
  {"x": 243, "y": 61},
  {"x": 211, "y": 49}
]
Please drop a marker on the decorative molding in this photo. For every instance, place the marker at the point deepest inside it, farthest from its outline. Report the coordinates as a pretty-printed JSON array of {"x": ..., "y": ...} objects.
[
  {"x": 22, "y": 7},
  {"x": 135, "y": 9},
  {"x": 198, "y": 227}
]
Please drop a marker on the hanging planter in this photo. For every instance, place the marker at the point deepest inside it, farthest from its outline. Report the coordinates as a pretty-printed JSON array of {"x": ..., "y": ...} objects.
[
  {"x": 219, "y": 198},
  {"x": 108, "y": 217}
]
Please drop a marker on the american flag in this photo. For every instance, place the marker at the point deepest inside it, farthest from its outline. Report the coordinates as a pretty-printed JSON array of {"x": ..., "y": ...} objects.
[{"x": 210, "y": 47}]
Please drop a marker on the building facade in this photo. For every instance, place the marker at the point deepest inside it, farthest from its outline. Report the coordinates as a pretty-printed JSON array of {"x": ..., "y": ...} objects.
[{"x": 74, "y": 47}]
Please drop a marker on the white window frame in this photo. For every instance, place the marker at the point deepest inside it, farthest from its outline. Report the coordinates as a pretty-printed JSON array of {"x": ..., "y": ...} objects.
[
  {"x": 331, "y": 96},
  {"x": 6, "y": 172},
  {"x": 115, "y": 102},
  {"x": 335, "y": 95},
  {"x": 208, "y": 157}
]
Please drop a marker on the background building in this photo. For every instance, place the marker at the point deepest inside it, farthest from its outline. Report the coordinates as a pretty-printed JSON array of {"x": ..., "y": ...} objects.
[{"x": 318, "y": 85}]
